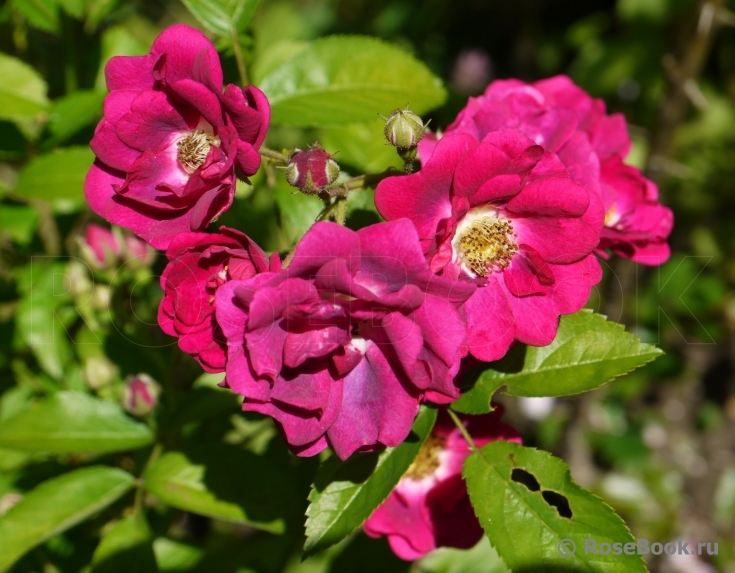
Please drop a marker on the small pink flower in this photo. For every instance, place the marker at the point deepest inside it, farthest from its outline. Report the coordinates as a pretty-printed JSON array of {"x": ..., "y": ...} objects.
[
  {"x": 565, "y": 120},
  {"x": 430, "y": 507},
  {"x": 171, "y": 138},
  {"x": 199, "y": 264},
  {"x": 505, "y": 215},
  {"x": 100, "y": 246},
  {"x": 139, "y": 251},
  {"x": 341, "y": 346},
  {"x": 140, "y": 397}
]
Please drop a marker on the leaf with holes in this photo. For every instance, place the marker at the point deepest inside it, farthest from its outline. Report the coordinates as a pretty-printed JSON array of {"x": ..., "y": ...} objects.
[
  {"x": 533, "y": 513},
  {"x": 345, "y": 494},
  {"x": 349, "y": 79},
  {"x": 587, "y": 352}
]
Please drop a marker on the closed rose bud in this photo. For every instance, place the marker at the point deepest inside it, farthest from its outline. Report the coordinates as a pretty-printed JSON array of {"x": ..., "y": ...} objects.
[
  {"x": 141, "y": 395},
  {"x": 100, "y": 247},
  {"x": 404, "y": 129},
  {"x": 311, "y": 170}
]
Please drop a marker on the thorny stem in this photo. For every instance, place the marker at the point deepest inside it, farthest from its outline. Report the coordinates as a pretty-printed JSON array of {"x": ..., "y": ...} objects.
[
  {"x": 237, "y": 48},
  {"x": 273, "y": 155},
  {"x": 465, "y": 433},
  {"x": 138, "y": 501}
]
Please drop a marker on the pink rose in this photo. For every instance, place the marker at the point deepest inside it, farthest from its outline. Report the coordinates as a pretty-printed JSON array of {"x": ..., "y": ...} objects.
[
  {"x": 564, "y": 119},
  {"x": 342, "y": 345},
  {"x": 170, "y": 140},
  {"x": 199, "y": 264},
  {"x": 505, "y": 215},
  {"x": 430, "y": 507}
]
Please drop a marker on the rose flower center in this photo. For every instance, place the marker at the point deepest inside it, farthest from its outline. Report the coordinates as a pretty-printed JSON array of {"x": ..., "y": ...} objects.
[
  {"x": 194, "y": 148},
  {"x": 485, "y": 244},
  {"x": 427, "y": 461}
]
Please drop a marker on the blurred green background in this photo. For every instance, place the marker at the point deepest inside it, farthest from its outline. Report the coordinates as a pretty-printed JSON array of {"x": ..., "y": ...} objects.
[{"x": 658, "y": 445}]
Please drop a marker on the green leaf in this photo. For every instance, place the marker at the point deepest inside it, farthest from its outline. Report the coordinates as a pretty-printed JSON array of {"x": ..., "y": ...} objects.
[
  {"x": 361, "y": 145},
  {"x": 22, "y": 92},
  {"x": 345, "y": 494},
  {"x": 298, "y": 211},
  {"x": 73, "y": 112},
  {"x": 41, "y": 328},
  {"x": 41, "y": 14},
  {"x": 222, "y": 17},
  {"x": 349, "y": 79},
  {"x": 56, "y": 505},
  {"x": 528, "y": 505},
  {"x": 225, "y": 482},
  {"x": 73, "y": 422},
  {"x": 127, "y": 546},
  {"x": 587, "y": 352},
  {"x": 57, "y": 177},
  {"x": 482, "y": 557},
  {"x": 18, "y": 222},
  {"x": 176, "y": 556}
]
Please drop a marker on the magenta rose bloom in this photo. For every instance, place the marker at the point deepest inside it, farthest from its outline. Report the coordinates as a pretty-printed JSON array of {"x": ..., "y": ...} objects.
[
  {"x": 430, "y": 507},
  {"x": 199, "y": 264},
  {"x": 505, "y": 215},
  {"x": 170, "y": 139},
  {"x": 591, "y": 144},
  {"x": 341, "y": 347}
]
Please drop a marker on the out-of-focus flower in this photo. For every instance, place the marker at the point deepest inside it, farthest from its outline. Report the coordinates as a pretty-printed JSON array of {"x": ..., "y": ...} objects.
[
  {"x": 100, "y": 247},
  {"x": 505, "y": 215},
  {"x": 171, "y": 138},
  {"x": 140, "y": 396},
  {"x": 137, "y": 252},
  {"x": 563, "y": 119},
  {"x": 311, "y": 170},
  {"x": 99, "y": 372},
  {"x": 342, "y": 345},
  {"x": 199, "y": 264},
  {"x": 430, "y": 507},
  {"x": 471, "y": 71}
]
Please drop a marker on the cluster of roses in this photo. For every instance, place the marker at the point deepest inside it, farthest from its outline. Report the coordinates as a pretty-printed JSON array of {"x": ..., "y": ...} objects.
[{"x": 496, "y": 236}]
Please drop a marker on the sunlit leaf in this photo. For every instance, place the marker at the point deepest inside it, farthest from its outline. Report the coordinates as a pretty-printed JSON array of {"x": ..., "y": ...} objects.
[
  {"x": 537, "y": 518},
  {"x": 56, "y": 505}
]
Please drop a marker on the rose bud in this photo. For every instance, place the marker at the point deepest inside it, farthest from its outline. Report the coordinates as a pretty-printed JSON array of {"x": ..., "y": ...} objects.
[
  {"x": 311, "y": 170},
  {"x": 430, "y": 507},
  {"x": 100, "y": 247},
  {"x": 404, "y": 129},
  {"x": 99, "y": 372},
  {"x": 141, "y": 395}
]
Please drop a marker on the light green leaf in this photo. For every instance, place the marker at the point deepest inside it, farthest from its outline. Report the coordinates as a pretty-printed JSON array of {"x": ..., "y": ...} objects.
[
  {"x": 345, "y": 494},
  {"x": 40, "y": 326},
  {"x": 482, "y": 557},
  {"x": 349, "y": 79},
  {"x": 200, "y": 479},
  {"x": 361, "y": 145},
  {"x": 176, "y": 556},
  {"x": 222, "y": 17},
  {"x": 277, "y": 54},
  {"x": 41, "y": 14},
  {"x": 127, "y": 546},
  {"x": 22, "y": 92},
  {"x": 18, "y": 222},
  {"x": 73, "y": 422},
  {"x": 57, "y": 177},
  {"x": 56, "y": 505},
  {"x": 73, "y": 112},
  {"x": 587, "y": 352},
  {"x": 528, "y": 505}
]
